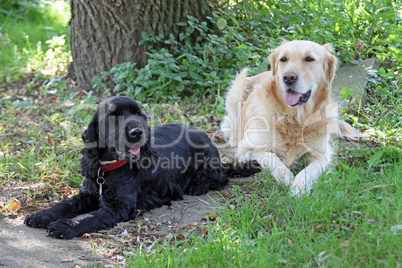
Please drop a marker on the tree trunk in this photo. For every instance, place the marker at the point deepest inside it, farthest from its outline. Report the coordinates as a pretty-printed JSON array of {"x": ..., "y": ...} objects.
[{"x": 104, "y": 33}]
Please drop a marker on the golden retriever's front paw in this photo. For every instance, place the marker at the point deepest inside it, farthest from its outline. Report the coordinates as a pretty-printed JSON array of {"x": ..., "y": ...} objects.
[
  {"x": 301, "y": 185},
  {"x": 283, "y": 175},
  {"x": 296, "y": 190}
]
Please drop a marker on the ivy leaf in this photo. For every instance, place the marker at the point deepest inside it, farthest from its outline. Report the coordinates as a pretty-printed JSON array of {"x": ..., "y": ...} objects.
[
  {"x": 346, "y": 92},
  {"x": 221, "y": 23},
  {"x": 285, "y": 6}
]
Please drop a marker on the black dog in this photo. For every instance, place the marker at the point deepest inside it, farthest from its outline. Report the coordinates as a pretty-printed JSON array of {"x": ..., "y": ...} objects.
[{"x": 129, "y": 168}]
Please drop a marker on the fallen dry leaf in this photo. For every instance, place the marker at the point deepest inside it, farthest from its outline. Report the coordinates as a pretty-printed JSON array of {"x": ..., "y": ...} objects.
[
  {"x": 210, "y": 218},
  {"x": 68, "y": 104},
  {"x": 13, "y": 205},
  {"x": 219, "y": 138},
  {"x": 319, "y": 227},
  {"x": 345, "y": 243},
  {"x": 49, "y": 140},
  {"x": 32, "y": 208},
  {"x": 110, "y": 253},
  {"x": 54, "y": 100},
  {"x": 81, "y": 92},
  {"x": 180, "y": 237}
]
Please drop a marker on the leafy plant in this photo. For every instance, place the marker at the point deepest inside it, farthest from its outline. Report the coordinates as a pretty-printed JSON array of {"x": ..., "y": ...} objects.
[
  {"x": 244, "y": 35},
  {"x": 25, "y": 28},
  {"x": 381, "y": 113},
  {"x": 184, "y": 70}
]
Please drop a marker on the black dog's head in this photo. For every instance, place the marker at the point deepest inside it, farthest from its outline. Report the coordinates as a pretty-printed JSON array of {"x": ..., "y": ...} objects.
[{"x": 117, "y": 131}]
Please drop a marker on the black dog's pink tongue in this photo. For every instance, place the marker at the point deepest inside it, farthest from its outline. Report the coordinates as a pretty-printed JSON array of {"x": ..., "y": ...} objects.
[
  {"x": 134, "y": 150},
  {"x": 292, "y": 98}
]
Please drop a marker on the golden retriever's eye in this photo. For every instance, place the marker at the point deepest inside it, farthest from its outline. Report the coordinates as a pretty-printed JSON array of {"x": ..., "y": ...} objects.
[
  {"x": 283, "y": 59},
  {"x": 309, "y": 59}
]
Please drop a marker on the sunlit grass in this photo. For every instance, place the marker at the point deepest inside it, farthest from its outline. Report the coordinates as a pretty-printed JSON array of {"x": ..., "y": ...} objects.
[
  {"x": 26, "y": 27},
  {"x": 349, "y": 219}
]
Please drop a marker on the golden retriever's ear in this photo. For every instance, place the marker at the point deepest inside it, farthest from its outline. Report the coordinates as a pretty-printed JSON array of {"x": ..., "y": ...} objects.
[
  {"x": 273, "y": 59},
  {"x": 331, "y": 63},
  {"x": 329, "y": 48},
  {"x": 283, "y": 41}
]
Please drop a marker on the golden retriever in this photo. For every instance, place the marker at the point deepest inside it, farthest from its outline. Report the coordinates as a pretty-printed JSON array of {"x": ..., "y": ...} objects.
[{"x": 277, "y": 116}]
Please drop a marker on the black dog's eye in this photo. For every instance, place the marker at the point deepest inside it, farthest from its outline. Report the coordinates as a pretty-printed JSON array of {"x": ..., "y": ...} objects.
[
  {"x": 309, "y": 59},
  {"x": 283, "y": 59}
]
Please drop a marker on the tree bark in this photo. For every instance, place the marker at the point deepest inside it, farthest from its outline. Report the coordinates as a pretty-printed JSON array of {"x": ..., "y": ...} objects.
[{"x": 104, "y": 33}]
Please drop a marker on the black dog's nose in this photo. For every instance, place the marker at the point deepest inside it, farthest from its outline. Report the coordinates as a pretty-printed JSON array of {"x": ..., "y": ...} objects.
[
  {"x": 135, "y": 133},
  {"x": 290, "y": 78}
]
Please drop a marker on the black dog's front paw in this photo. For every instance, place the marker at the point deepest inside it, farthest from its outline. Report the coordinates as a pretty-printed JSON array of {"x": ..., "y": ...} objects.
[
  {"x": 40, "y": 219},
  {"x": 63, "y": 229}
]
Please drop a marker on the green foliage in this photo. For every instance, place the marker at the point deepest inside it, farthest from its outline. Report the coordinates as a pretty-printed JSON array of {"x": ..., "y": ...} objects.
[
  {"x": 25, "y": 27},
  {"x": 357, "y": 29},
  {"x": 244, "y": 36},
  {"x": 53, "y": 61},
  {"x": 382, "y": 108},
  {"x": 28, "y": 10},
  {"x": 183, "y": 70}
]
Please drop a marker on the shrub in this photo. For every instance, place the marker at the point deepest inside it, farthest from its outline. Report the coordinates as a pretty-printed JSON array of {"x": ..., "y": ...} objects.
[{"x": 244, "y": 34}]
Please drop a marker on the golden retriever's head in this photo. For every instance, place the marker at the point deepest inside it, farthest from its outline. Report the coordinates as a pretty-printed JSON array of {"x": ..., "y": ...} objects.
[{"x": 302, "y": 69}]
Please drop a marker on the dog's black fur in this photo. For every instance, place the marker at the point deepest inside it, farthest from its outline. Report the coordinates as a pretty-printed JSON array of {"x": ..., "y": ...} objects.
[{"x": 163, "y": 164}]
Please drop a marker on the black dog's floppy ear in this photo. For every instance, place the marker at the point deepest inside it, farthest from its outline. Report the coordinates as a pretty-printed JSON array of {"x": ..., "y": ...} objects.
[{"x": 90, "y": 155}]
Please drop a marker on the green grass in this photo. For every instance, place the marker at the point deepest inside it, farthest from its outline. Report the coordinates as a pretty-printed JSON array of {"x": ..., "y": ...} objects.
[
  {"x": 26, "y": 26},
  {"x": 346, "y": 222},
  {"x": 38, "y": 139}
]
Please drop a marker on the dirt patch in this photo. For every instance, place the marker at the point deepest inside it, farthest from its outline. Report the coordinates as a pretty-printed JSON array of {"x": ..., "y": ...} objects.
[{"x": 21, "y": 246}]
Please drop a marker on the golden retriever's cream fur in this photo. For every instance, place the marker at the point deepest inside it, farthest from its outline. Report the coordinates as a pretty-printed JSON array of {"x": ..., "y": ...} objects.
[{"x": 277, "y": 116}]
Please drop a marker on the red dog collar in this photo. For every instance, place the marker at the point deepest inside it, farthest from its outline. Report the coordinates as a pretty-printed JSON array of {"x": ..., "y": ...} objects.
[{"x": 114, "y": 165}]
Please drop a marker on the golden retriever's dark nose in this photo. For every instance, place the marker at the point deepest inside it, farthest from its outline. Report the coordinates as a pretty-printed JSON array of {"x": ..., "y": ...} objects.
[
  {"x": 136, "y": 133},
  {"x": 290, "y": 78}
]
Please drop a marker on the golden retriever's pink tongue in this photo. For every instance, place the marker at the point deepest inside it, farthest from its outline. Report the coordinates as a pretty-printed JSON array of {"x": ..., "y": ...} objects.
[
  {"x": 292, "y": 98},
  {"x": 134, "y": 150}
]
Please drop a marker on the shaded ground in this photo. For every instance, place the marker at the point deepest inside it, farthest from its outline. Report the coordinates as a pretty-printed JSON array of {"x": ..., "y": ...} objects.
[{"x": 22, "y": 246}]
